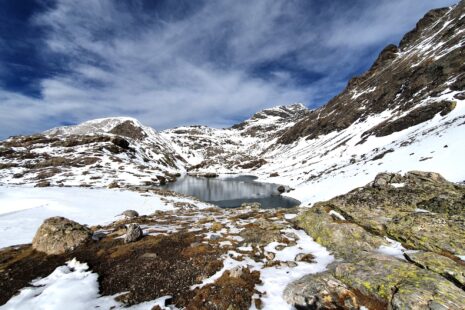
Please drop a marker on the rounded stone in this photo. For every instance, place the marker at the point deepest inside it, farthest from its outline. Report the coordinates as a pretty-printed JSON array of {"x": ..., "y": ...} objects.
[
  {"x": 58, "y": 235},
  {"x": 130, "y": 214},
  {"x": 133, "y": 233}
]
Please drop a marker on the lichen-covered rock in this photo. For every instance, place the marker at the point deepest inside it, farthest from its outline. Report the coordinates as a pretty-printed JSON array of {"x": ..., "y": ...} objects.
[
  {"x": 58, "y": 235},
  {"x": 394, "y": 205},
  {"x": 320, "y": 291},
  {"x": 430, "y": 232},
  {"x": 401, "y": 208},
  {"x": 402, "y": 285},
  {"x": 133, "y": 233},
  {"x": 386, "y": 179},
  {"x": 448, "y": 268},
  {"x": 343, "y": 238}
]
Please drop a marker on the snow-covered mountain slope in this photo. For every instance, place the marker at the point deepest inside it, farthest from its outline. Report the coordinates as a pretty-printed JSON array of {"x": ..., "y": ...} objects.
[
  {"x": 335, "y": 163},
  {"x": 407, "y": 112},
  {"x": 428, "y": 62},
  {"x": 95, "y": 153},
  {"x": 236, "y": 149}
]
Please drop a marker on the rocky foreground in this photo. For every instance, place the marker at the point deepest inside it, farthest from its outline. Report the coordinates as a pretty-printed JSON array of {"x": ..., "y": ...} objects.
[
  {"x": 422, "y": 212},
  {"x": 396, "y": 243}
]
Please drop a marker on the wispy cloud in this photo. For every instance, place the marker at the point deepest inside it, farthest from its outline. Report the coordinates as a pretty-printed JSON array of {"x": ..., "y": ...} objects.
[{"x": 211, "y": 62}]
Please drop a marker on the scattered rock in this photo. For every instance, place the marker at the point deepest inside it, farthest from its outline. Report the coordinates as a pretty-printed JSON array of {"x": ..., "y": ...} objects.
[
  {"x": 216, "y": 226},
  {"x": 58, "y": 235},
  {"x": 161, "y": 179},
  {"x": 149, "y": 255},
  {"x": 98, "y": 235},
  {"x": 460, "y": 96},
  {"x": 113, "y": 184},
  {"x": 289, "y": 264},
  {"x": 43, "y": 183},
  {"x": 130, "y": 214},
  {"x": 274, "y": 174},
  {"x": 210, "y": 175},
  {"x": 133, "y": 233},
  {"x": 236, "y": 272},
  {"x": 269, "y": 255},
  {"x": 215, "y": 237},
  {"x": 251, "y": 205},
  {"x": 253, "y": 164},
  {"x": 302, "y": 257}
]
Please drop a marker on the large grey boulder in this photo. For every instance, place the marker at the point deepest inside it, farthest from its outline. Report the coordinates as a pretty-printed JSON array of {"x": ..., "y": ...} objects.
[{"x": 58, "y": 235}]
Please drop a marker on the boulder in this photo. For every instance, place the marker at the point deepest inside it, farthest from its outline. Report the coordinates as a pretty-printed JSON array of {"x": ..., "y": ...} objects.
[
  {"x": 113, "y": 184},
  {"x": 58, "y": 235},
  {"x": 130, "y": 214},
  {"x": 281, "y": 189},
  {"x": 320, "y": 291},
  {"x": 302, "y": 257},
  {"x": 133, "y": 233},
  {"x": 385, "y": 179}
]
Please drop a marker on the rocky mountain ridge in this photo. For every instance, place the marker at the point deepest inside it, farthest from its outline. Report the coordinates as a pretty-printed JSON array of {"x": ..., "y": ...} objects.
[{"x": 104, "y": 152}]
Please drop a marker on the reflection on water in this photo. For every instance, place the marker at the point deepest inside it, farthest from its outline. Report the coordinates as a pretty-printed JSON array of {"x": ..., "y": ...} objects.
[{"x": 231, "y": 192}]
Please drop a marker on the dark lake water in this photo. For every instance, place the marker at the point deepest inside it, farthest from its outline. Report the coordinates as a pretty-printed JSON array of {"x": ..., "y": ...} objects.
[{"x": 231, "y": 192}]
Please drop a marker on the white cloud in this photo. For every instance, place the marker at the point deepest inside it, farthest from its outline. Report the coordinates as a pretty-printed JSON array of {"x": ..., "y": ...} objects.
[{"x": 197, "y": 68}]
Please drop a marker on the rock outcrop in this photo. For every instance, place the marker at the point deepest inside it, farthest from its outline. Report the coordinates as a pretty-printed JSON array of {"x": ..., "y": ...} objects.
[
  {"x": 58, "y": 235},
  {"x": 358, "y": 227}
]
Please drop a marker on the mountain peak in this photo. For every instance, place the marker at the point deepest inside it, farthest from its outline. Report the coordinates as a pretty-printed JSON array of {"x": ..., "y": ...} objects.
[{"x": 125, "y": 126}]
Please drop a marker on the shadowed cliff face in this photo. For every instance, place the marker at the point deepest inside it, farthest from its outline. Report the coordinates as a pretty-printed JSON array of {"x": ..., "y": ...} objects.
[{"x": 429, "y": 60}]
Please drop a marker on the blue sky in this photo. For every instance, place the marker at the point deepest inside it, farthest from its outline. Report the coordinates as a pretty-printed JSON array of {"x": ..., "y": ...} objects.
[{"x": 181, "y": 62}]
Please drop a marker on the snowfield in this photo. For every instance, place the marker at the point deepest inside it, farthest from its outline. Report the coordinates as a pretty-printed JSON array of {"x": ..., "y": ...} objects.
[{"x": 23, "y": 209}]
